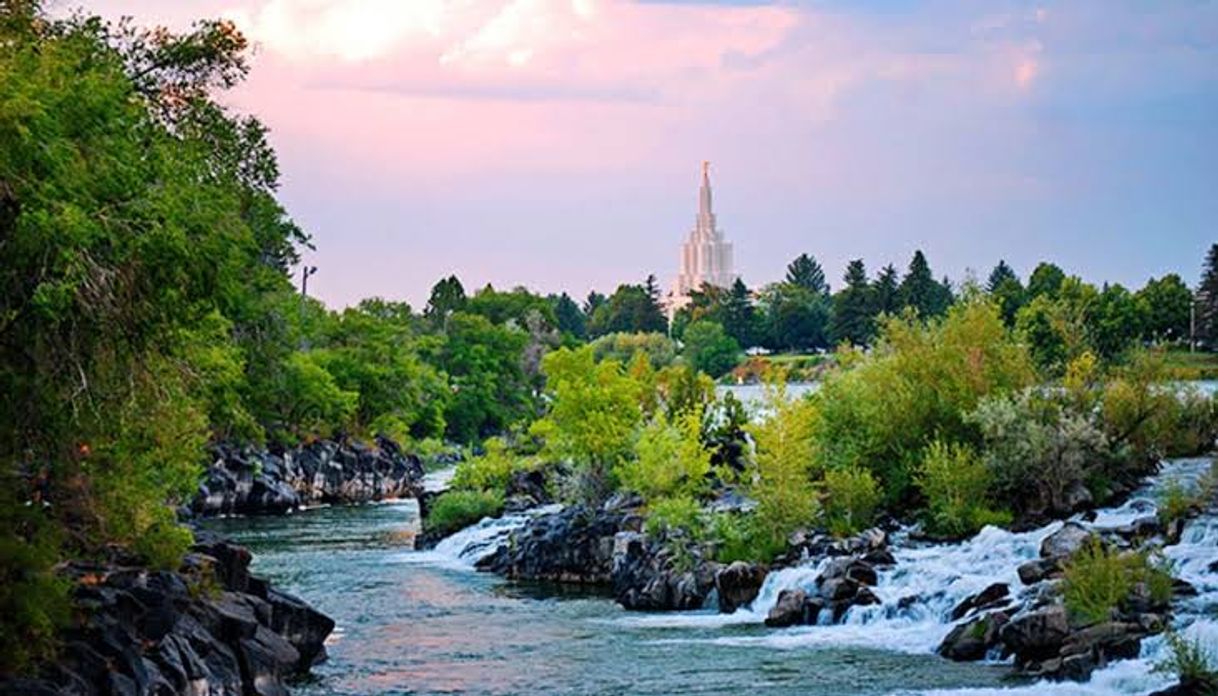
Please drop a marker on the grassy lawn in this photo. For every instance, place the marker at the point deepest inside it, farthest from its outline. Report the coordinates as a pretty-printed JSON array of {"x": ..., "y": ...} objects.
[{"x": 1198, "y": 365}]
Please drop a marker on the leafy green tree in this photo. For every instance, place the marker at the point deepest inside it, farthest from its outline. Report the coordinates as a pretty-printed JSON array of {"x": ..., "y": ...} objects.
[
  {"x": 853, "y": 320},
  {"x": 593, "y": 302},
  {"x": 1167, "y": 305},
  {"x": 631, "y": 309},
  {"x": 569, "y": 317},
  {"x": 796, "y": 318},
  {"x": 806, "y": 273},
  {"x": 592, "y": 420},
  {"x": 782, "y": 468},
  {"x": 484, "y": 364},
  {"x": 670, "y": 458},
  {"x": 1046, "y": 279},
  {"x": 513, "y": 305},
  {"x": 659, "y": 349},
  {"x": 709, "y": 348},
  {"x": 1011, "y": 297},
  {"x": 1058, "y": 326},
  {"x": 1115, "y": 321},
  {"x": 447, "y": 296}
]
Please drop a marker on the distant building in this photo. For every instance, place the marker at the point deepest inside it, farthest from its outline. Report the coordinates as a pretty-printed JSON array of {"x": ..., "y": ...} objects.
[{"x": 706, "y": 256}]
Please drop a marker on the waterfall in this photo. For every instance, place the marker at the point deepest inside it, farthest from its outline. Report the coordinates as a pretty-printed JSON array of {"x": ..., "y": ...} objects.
[{"x": 466, "y": 547}]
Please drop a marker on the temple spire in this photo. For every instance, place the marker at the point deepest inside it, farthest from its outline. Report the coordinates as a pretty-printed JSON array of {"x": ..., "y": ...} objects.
[{"x": 704, "y": 196}]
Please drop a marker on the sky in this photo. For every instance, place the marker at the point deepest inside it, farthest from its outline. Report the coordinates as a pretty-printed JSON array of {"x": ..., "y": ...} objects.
[{"x": 557, "y": 144}]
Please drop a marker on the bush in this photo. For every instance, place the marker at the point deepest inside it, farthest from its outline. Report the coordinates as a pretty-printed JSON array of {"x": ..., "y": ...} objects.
[
  {"x": 679, "y": 515},
  {"x": 1038, "y": 450},
  {"x": 708, "y": 348},
  {"x": 851, "y": 498},
  {"x": 670, "y": 459},
  {"x": 456, "y": 510},
  {"x": 490, "y": 471},
  {"x": 917, "y": 384},
  {"x": 33, "y": 600},
  {"x": 957, "y": 486},
  {"x": 739, "y": 537},
  {"x": 660, "y": 350},
  {"x": 780, "y": 475},
  {"x": 1191, "y": 663},
  {"x": 1099, "y": 580},
  {"x": 1176, "y": 501}
]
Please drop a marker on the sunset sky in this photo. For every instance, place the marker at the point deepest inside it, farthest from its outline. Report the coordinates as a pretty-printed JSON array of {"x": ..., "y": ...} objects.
[{"x": 557, "y": 143}]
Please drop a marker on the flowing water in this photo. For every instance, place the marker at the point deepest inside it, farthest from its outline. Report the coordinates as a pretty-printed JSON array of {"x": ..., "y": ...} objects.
[{"x": 424, "y": 622}]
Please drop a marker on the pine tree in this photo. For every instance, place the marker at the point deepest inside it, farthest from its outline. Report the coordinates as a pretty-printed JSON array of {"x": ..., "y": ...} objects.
[
  {"x": 852, "y": 315},
  {"x": 1002, "y": 272},
  {"x": 805, "y": 272},
  {"x": 1046, "y": 279},
  {"x": 920, "y": 290},
  {"x": 1207, "y": 300},
  {"x": 447, "y": 296},
  {"x": 886, "y": 292},
  {"x": 739, "y": 316},
  {"x": 569, "y": 317}
]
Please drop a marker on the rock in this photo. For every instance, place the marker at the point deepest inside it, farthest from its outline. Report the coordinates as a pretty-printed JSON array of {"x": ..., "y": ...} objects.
[
  {"x": 738, "y": 585},
  {"x": 973, "y": 639},
  {"x": 157, "y": 633},
  {"x": 983, "y": 599},
  {"x": 575, "y": 545},
  {"x": 646, "y": 576},
  {"x": 1065, "y": 542},
  {"x": 1077, "y": 498},
  {"x": 793, "y": 608},
  {"x": 248, "y": 481},
  {"x": 1033, "y": 572},
  {"x": 1037, "y": 635}
]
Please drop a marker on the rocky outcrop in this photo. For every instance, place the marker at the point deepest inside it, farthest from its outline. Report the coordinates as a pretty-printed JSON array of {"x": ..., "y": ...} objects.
[
  {"x": 210, "y": 629},
  {"x": 652, "y": 575},
  {"x": 572, "y": 546},
  {"x": 738, "y": 585},
  {"x": 1046, "y": 644},
  {"x": 973, "y": 640},
  {"x": 250, "y": 481},
  {"x": 803, "y": 546},
  {"x": 844, "y": 583}
]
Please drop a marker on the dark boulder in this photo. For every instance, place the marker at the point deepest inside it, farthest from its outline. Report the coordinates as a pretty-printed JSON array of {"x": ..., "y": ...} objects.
[
  {"x": 738, "y": 585},
  {"x": 985, "y": 599},
  {"x": 648, "y": 576},
  {"x": 973, "y": 640},
  {"x": 794, "y": 608},
  {"x": 574, "y": 546},
  {"x": 1065, "y": 542},
  {"x": 1036, "y": 635}
]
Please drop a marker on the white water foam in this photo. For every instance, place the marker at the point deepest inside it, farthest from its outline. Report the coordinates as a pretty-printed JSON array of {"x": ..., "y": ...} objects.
[
  {"x": 465, "y": 548},
  {"x": 941, "y": 576}
]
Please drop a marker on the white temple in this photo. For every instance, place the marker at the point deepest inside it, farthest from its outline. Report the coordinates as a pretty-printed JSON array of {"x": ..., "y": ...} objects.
[{"x": 706, "y": 257}]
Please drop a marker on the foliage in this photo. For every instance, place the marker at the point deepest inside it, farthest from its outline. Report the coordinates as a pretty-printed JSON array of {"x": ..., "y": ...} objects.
[
  {"x": 708, "y": 348},
  {"x": 854, "y": 307},
  {"x": 920, "y": 291},
  {"x": 796, "y": 318},
  {"x": 780, "y": 475},
  {"x": 1175, "y": 501},
  {"x": 915, "y": 386},
  {"x": 679, "y": 515},
  {"x": 447, "y": 297},
  {"x": 593, "y": 417},
  {"x": 660, "y": 350},
  {"x": 569, "y": 318},
  {"x": 1207, "y": 299},
  {"x": 630, "y": 309},
  {"x": 670, "y": 458},
  {"x": 311, "y": 399},
  {"x": 490, "y": 471},
  {"x": 1099, "y": 580},
  {"x": 804, "y": 272},
  {"x": 455, "y": 510},
  {"x": 957, "y": 488},
  {"x": 851, "y": 498},
  {"x": 1165, "y": 305},
  {"x": 484, "y": 364},
  {"x": 1192, "y": 662}
]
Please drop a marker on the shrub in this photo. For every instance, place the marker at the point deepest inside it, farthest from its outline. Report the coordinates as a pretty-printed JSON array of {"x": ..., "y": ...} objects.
[
  {"x": 490, "y": 471},
  {"x": 709, "y": 349},
  {"x": 851, "y": 498},
  {"x": 456, "y": 510},
  {"x": 1191, "y": 662},
  {"x": 1099, "y": 580},
  {"x": 670, "y": 459},
  {"x": 1175, "y": 501},
  {"x": 679, "y": 515},
  {"x": 780, "y": 474},
  {"x": 917, "y": 384},
  {"x": 1038, "y": 450},
  {"x": 660, "y": 350},
  {"x": 739, "y": 537},
  {"x": 956, "y": 485}
]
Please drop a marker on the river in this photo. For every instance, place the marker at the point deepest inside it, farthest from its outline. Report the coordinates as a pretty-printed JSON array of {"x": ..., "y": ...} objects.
[{"x": 425, "y": 623}]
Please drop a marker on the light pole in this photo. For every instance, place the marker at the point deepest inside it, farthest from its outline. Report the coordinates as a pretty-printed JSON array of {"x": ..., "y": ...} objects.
[{"x": 304, "y": 281}]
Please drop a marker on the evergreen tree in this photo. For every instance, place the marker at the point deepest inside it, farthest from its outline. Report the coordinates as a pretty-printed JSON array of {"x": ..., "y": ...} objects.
[
  {"x": 631, "y": 309},
  {"x": 1207, "y": 300},
  {"x": 805, "y": 272},
  {"x": 920, "y": 290},
  {"x": 1001, "y": 273},
  {"x": 796, "y": 318},
  {"x": 447, "y": 296},
  {"x": 570, "y": 317},
  {"x": 852, "y": 307},
  {"x": 886, "y": 292},
  {"x": 593, "y": 302},
  {"x": 1011, "y": 297},
  {"x": 739, "y": 316}
]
